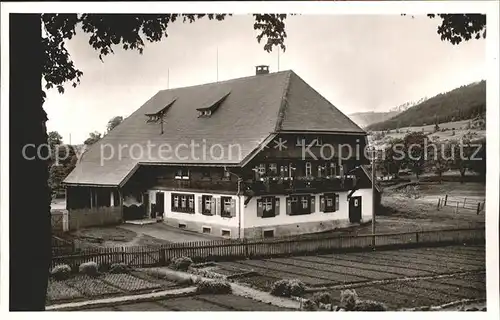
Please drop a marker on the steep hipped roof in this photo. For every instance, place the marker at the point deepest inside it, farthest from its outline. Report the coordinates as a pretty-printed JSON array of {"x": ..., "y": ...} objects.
[{"x": 257, "y": 107}]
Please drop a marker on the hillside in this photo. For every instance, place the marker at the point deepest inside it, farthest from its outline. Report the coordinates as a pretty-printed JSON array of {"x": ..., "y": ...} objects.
[
  {"x": 463, "y": 103},
  {"x": 364, "y": 119}
]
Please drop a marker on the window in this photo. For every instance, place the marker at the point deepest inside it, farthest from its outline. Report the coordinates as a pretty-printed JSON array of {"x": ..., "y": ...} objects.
[
  {"x": 308, "y": 169},
  {"x": 262, "y": 169},
  {"x": 204, "y": 113},
  {"x": 320, "y": 171},
  {"x": 226, "y": 233},
  {"x": 332, "y": 169},
  {"x": 183, "y": 203},
  {"x": 305, "y": 202},
  {"x": 273, "y": 168},
  {"x": 329, "y": 202},
  {"x": 268, "y": 234},
  {"x": 207, "y": 205},
  {"x": 182, "y": 173},
  {"x": 267, "y": 204},
  {"x": 300, "y": 204},
  {"x": 207, "y": 230},
  {"x": 226, "y": 210},
  {"x": 284, "y": 171},
  {"x": 267, "y": 207}
]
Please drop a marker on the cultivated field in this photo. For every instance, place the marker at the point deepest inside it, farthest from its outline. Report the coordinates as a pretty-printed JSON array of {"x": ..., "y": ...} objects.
[
  {"x": 399, "y": 278},
  {"x": 223, "y": 302},
  {"x": 82, "y": 287}
]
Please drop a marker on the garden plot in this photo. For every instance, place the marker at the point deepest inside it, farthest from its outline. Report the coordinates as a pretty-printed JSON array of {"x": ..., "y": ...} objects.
[
  {"x": 260, "y": 281},
  {"x": 388, "y": 259},
  {"x": 421, "y": 296},
  {"x": 468, "y": 253},
  {"x": 393, "y": 299},
  {"x": 92, "y": 287},
  {"x": 190, "y": 304},
  {"x": 310, "y": 277},
  {"x": 451, "y": 259},
  {"x": 58, "y": 290},
  {"x": 238, "y": 303},
  {"x": 473, "y": 281},
  {"x": 337, "y": 274},
  {"x": 141, "y": 306},
  {"x": 364, "y": 268},
  {"x": 253, "y": 265},
  {"x": 128, "y": 282},
  {"x": 440, "y": 265},
  {"x": 404, "y": 269},
  {"x": 465, "y": 293}
]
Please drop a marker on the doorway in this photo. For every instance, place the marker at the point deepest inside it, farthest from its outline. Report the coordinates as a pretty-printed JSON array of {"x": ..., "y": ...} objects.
[
  {"x": 355, "y": 209},
  {"x": 160, "y": 205}
]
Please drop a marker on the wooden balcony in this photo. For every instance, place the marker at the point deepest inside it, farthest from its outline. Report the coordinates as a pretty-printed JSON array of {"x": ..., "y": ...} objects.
[{"x": 299, "y": 184}]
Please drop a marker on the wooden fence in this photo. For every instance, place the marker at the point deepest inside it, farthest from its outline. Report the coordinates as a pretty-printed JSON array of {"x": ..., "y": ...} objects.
[
  {"x": 471, "y": 204},
  {"x": 62, "y": 246},
  {"x": 147, "y": 256}
]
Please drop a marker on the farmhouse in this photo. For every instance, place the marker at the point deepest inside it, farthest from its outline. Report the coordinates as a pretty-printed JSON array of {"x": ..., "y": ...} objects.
[{"x": 260, "y": 156}]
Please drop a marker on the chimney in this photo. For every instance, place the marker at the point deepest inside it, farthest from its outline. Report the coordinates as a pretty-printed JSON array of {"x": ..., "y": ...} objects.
[{"x": 262, "y": 69}]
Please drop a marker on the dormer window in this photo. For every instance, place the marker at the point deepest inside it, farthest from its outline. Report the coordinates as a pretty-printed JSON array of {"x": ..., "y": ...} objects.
[
  {"x": 204, "y": 113},
  {"x": 159, "y": 113},
  {"x": 212, "y": 105}
]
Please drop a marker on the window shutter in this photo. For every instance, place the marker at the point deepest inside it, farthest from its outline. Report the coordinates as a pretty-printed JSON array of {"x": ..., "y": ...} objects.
[
  {"x": 276, "y": 206},
  {"x": 313, "y": 204},
  {"x": 233, "y": 208},
  {"x": 336, "y": 202},
  {"x": 217, "y": 206},
  {"x": 288, "y": 205},
  {"x": 200, "y": 204},
  {"x": 322, "y": 203},
  {"x": 212, "y": 207},
  {"x": 260, "y": 210}
]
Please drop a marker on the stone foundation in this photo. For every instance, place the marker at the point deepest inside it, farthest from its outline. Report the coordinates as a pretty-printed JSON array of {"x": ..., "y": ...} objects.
[
  {"x": 295, "y": 229},
  {"x": 196, "y": 226}
]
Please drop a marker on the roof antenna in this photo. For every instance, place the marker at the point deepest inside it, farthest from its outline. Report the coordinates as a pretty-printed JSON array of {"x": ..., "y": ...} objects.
[
  {"x": 168, "y": 78},
  {"x": 217, "y": 58}
]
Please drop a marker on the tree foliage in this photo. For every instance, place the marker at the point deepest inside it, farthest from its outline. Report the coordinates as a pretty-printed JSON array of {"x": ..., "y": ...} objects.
[
  {"x": 129, "y": 32},
  {"x": 54, "y": 139},
  {"x": 456, "y": 28},
  {"x": 114, "y": 122},
  {"x": 93, "y": 138}
]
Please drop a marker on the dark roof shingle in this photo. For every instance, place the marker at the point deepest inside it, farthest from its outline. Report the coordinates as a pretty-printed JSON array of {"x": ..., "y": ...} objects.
[{"x": 256, "y": 107}]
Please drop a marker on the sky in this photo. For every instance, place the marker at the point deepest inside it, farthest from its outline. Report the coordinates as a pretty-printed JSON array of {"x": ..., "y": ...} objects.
[{"x": 359, "y": 63}]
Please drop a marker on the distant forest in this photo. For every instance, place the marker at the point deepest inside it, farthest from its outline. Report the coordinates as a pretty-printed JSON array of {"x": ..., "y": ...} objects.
[{"x": 466, "y": 102}]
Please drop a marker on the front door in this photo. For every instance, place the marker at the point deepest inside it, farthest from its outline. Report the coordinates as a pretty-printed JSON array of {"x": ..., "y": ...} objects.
[
  {"x": 160, "y": 205},
  {"x": 355, "y": 209}
]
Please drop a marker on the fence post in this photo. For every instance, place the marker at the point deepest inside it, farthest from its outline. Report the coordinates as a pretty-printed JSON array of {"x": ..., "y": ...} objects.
[
  {"x": 478, "y": 208},
  {"x": 464, "y": 201},
  {"x": 245, "y": 243},
  {"x": 445, "y": 199},
  {"x": 439, "y": 202},
  {"x": 456, "y": 209},
  {"x": 163, "y": 259},
  {"x": 416, "y": 236}
]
